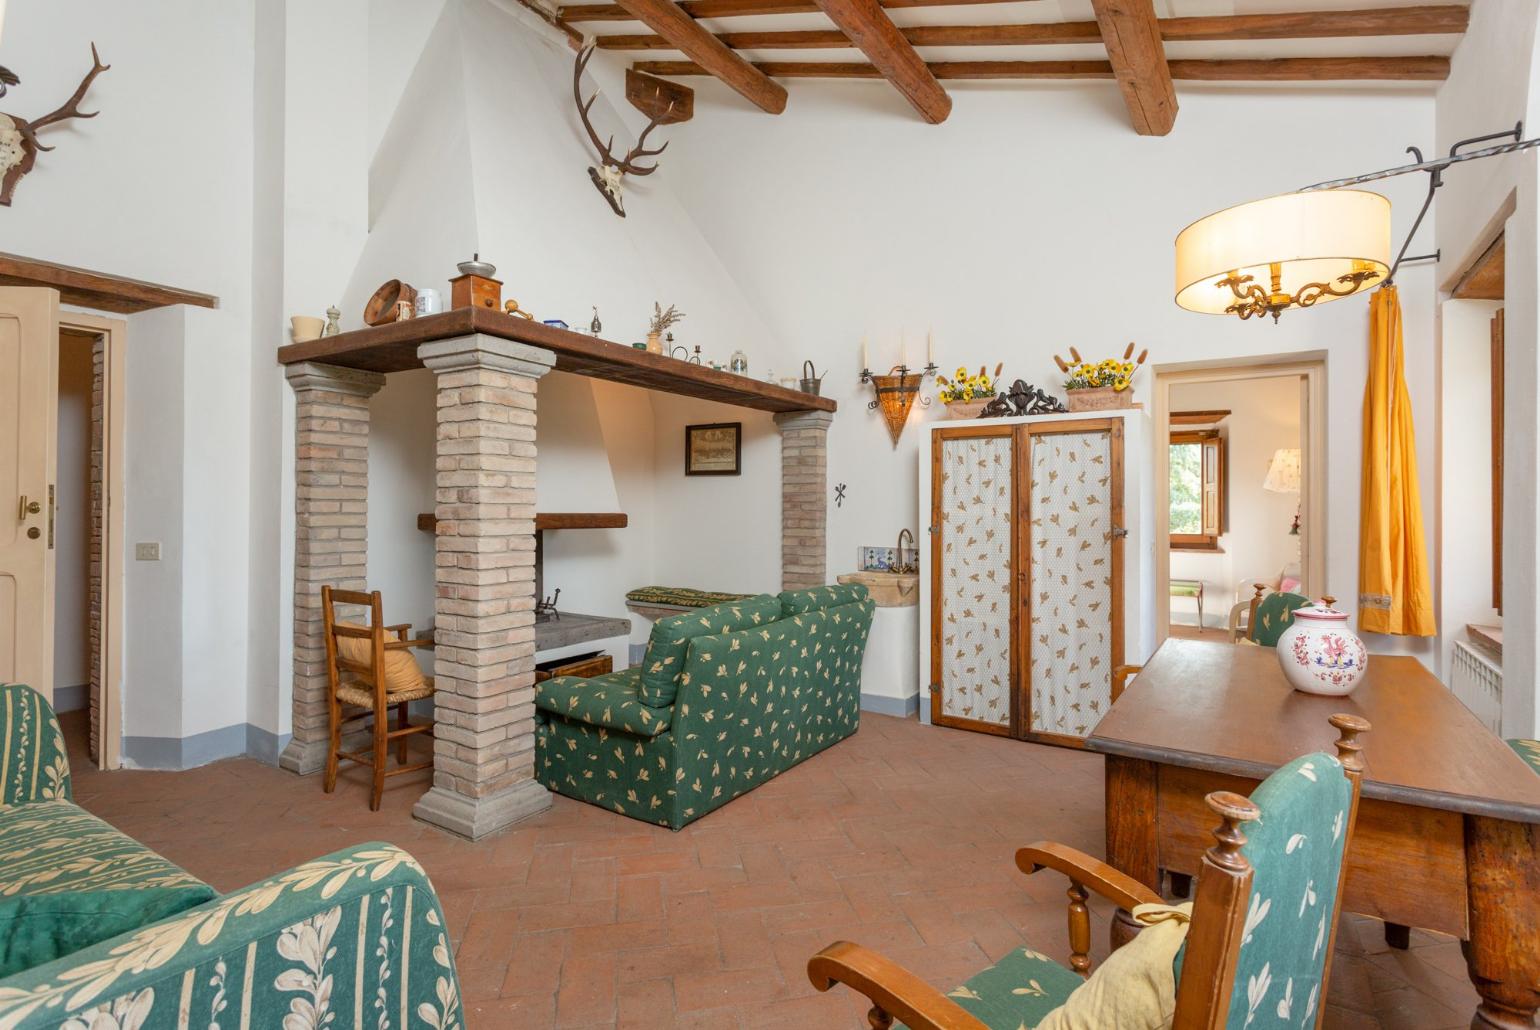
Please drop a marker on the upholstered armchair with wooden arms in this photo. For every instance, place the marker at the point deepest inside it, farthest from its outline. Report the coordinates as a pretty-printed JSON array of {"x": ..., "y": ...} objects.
[
  {"x": 370, "y": 671},
  {"x": 1258, "y": 949}
]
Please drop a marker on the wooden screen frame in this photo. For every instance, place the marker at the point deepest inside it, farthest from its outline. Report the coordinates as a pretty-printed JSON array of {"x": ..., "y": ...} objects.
[
  {"x": 1498, "y": 416},
  {"x": 1021, "y": 663},
  {"x": 938, "y": 440}
]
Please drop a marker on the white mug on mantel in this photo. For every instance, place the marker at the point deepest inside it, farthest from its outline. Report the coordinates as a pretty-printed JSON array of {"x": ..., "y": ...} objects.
[{"x": 429, "y": 302}]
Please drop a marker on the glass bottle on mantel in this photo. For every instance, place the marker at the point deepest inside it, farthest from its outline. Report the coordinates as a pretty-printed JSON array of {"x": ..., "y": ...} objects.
[{"x": 740, "y": 363}]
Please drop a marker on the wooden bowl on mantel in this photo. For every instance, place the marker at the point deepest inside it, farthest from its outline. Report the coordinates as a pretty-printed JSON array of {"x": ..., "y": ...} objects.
[{"x": 382, "y": 309}]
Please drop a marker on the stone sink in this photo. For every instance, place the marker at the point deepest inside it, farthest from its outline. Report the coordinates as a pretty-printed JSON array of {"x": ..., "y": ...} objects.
[{"x": 888, "y": 589}]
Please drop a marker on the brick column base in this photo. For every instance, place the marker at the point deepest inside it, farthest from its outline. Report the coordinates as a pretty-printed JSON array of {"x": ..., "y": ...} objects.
[
  {"x": 804, "y": 498},
  {"x": 484, "y": 635},
  {"x": 331, "y": 516}
]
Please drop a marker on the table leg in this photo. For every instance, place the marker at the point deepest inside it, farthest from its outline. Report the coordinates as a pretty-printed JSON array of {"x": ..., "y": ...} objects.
[
  {"x": 1503, "y": 953},
  {"x": 1131, "y": 837}
]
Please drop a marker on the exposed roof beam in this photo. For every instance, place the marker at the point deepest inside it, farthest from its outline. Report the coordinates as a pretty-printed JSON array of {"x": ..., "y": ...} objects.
[
  {"x": 1298, "y": 69},
  {"x": 1315, "y": 69},
  {"x": 872, "y": 32},
  {"x": 1443, "y": 19},
  {"x": 1395, "y": 21},
  {"x": 693, "y": 40},
  {"x": 1131, "y": 33},
  {"x": 735, "y": 8}
]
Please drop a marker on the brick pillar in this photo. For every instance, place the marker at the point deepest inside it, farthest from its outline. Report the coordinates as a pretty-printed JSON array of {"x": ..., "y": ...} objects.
[
  {"x": 804, "y": 498},
  {"x": 331, "y": 513},
  {"x": 484, "y": 662}
]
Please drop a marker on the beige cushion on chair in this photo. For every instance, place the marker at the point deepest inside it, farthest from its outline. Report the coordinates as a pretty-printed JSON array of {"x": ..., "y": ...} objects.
[
  {"x": 402, "y": 673},
  {"x": 1135, "y": 989}
]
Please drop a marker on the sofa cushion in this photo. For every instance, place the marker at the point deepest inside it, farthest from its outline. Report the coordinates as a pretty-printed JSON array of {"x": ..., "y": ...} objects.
[
  {"x": 612, "y": 701},
  {"x": 671, "y": 639},
  {"x": 33, "y": 765},
  {"x": 795, "y": 602},
  {"x": 680, "y": 597},
  {"x": 69, "y": 880}
]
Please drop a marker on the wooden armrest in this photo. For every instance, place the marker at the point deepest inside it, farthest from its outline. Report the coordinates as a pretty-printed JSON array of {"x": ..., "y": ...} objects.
[
  {"x": 1119, "y": 888},
  {"x": 894, "y": 991},
  {"x": 400, "y": 630},
  {"x": 402, "y": 645}
]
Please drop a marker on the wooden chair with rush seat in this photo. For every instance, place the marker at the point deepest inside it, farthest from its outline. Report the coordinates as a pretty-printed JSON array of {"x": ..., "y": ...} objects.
[
  {"x": 1259, "y": 943},
  {"x": 370, "y": 670}
]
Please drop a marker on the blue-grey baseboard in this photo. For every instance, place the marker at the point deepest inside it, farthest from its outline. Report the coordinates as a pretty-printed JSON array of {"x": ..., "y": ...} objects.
[
  {"x": 903, "y": 707},
  {"x": 203, "y": 748},
  {"x": 71, "y": 699}
]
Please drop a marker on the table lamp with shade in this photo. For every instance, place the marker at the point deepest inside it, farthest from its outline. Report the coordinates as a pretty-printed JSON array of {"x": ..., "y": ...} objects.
[{"x": 1283, "y": 475}]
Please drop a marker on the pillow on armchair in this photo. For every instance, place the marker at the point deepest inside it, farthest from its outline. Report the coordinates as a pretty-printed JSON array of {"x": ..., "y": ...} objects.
[
  {"x": 671, "y": 638},
  {"x": 1135, "y": 988}
]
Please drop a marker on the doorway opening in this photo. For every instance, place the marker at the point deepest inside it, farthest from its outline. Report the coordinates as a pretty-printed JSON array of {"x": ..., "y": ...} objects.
[
  {"x": 1239, "y": 478},
  {"x": 86, "y": 534}
]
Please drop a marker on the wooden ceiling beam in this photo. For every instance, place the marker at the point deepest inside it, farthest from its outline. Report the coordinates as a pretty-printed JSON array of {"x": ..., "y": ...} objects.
[
  {"x": 1131, "y": 33},
  {"x": 1448, "y": 19},
  {"x": 872, "y": 32},
  {"x": 693, "y": 40},
  {"x": 742, "y": 8},
  {"x": 1299, "y": 69}
]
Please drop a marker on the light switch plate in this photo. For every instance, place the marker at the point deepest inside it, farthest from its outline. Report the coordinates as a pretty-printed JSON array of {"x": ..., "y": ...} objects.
[{"x": 147, "y": 551}]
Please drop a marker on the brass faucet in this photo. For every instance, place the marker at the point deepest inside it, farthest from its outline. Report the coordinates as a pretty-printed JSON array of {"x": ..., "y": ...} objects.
[{"x": 899, "y": 565}]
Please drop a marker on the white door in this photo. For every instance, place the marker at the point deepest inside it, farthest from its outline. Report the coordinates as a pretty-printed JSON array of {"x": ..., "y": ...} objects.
[{"x": 29, "y": 345}]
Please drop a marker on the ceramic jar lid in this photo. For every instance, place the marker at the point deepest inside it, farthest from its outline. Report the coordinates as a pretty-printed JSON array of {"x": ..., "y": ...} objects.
[{"x": 1322, "y": 611}]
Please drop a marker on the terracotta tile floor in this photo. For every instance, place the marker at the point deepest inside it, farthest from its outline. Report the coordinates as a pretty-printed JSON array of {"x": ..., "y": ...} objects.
[{"x": 900, "y": 838}]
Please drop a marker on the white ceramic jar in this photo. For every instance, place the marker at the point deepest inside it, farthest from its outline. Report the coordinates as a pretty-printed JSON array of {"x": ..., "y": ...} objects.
[{"x": 1319, "y": 654}]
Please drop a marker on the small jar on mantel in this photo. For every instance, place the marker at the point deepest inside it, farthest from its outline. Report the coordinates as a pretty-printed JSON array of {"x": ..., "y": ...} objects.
[
  {"x": 1319, "y": 654},
  {"x": 739, "y": 363}
]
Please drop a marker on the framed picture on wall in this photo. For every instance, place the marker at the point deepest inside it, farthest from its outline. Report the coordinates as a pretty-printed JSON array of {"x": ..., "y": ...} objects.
[{"x": 713, "y": 449}]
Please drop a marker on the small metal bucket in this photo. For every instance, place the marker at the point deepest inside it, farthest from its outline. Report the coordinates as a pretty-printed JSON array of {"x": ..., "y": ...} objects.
[{"x": 810, "y": 378}]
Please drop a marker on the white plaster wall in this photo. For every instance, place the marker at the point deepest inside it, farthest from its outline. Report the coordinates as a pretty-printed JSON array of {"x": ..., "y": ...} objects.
[
  {"x": 1033, "y": 219},
  {"x": 72, "y": 519},
  {"x": 1493, "y": 84},
  {"x": 1465, "y": 471},
  {"x": 1264, "y": 417}
]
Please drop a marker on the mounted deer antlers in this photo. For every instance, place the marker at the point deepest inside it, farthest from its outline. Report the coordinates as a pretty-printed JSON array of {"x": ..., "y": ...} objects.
[
  {"x": 19, "y": 145},
  {"x": 608, "y": 177}
]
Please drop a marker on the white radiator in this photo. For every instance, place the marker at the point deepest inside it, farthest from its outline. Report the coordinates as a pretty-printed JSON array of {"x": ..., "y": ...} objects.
[{"x": 1478, "y": 682}]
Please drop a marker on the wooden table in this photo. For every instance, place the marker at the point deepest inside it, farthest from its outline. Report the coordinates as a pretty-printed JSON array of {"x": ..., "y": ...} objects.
[{"x": 1448, "y": 832}]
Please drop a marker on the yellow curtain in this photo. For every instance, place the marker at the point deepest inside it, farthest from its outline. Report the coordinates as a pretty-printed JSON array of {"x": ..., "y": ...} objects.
[{"x": 1394, "y": 595}]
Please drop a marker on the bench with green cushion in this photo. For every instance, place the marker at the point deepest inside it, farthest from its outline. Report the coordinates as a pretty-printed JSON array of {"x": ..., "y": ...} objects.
[
  {"x": 726, "y": 698},
  {"x": 98, "y": 931}
]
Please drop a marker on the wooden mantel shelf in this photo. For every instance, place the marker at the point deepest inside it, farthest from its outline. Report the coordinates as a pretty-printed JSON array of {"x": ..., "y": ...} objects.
[
  {"x": 97, "y": 289},
  {"x": 393, "y": 348},
  {"x": 428, "y": 523}
]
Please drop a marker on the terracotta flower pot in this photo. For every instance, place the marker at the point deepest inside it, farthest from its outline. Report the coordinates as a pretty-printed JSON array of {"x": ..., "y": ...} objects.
[
  {"x": 1100, "y": 398},
  {"x": 966, "y": 409}
]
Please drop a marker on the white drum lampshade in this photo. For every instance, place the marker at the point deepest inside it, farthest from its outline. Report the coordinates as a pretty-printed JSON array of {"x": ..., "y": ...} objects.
[{"x": 1298, "y": 249}]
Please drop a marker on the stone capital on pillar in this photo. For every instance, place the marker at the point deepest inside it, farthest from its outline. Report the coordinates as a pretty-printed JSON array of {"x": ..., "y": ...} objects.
[
  {"x": 482, "y": 351},
  {"x": 331, "y": 516},
  {"x": 804, "y": 498},
  {"x": 484, "y": 658}
]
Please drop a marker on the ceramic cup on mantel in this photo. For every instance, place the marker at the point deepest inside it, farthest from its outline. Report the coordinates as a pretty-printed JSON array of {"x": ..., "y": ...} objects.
[
  {"x": 429, "y": 302},
  {"x": 1318, "y": 652},
  {"x": 305, "y": 327}
]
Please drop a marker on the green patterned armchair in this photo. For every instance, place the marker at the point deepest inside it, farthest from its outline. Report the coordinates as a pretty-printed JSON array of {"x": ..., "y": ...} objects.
[
  {"x": 726, "y": 698},
  {"x": 1256, "y": 954},
  {"x": 97, "y": 932}
]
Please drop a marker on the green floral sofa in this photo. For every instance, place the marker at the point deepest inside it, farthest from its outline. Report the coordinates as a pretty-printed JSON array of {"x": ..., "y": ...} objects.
[
  {"x": 726, "y": 698},
  {"x": 97, "y": 932}
]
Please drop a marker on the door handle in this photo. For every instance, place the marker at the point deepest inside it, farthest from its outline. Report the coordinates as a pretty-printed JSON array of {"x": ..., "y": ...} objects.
[{"x": 25, "y": 507}]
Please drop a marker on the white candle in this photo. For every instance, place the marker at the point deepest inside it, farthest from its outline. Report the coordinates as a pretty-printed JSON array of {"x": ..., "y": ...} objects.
[
  {"x": 903, "y": 349},
  {"x": 930, "y": 347},
  {"x": 865, "y": 363}
]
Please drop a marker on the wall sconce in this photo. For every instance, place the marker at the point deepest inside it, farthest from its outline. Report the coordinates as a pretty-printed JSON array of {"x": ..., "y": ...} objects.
[{"x": 895, "y": 394}]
